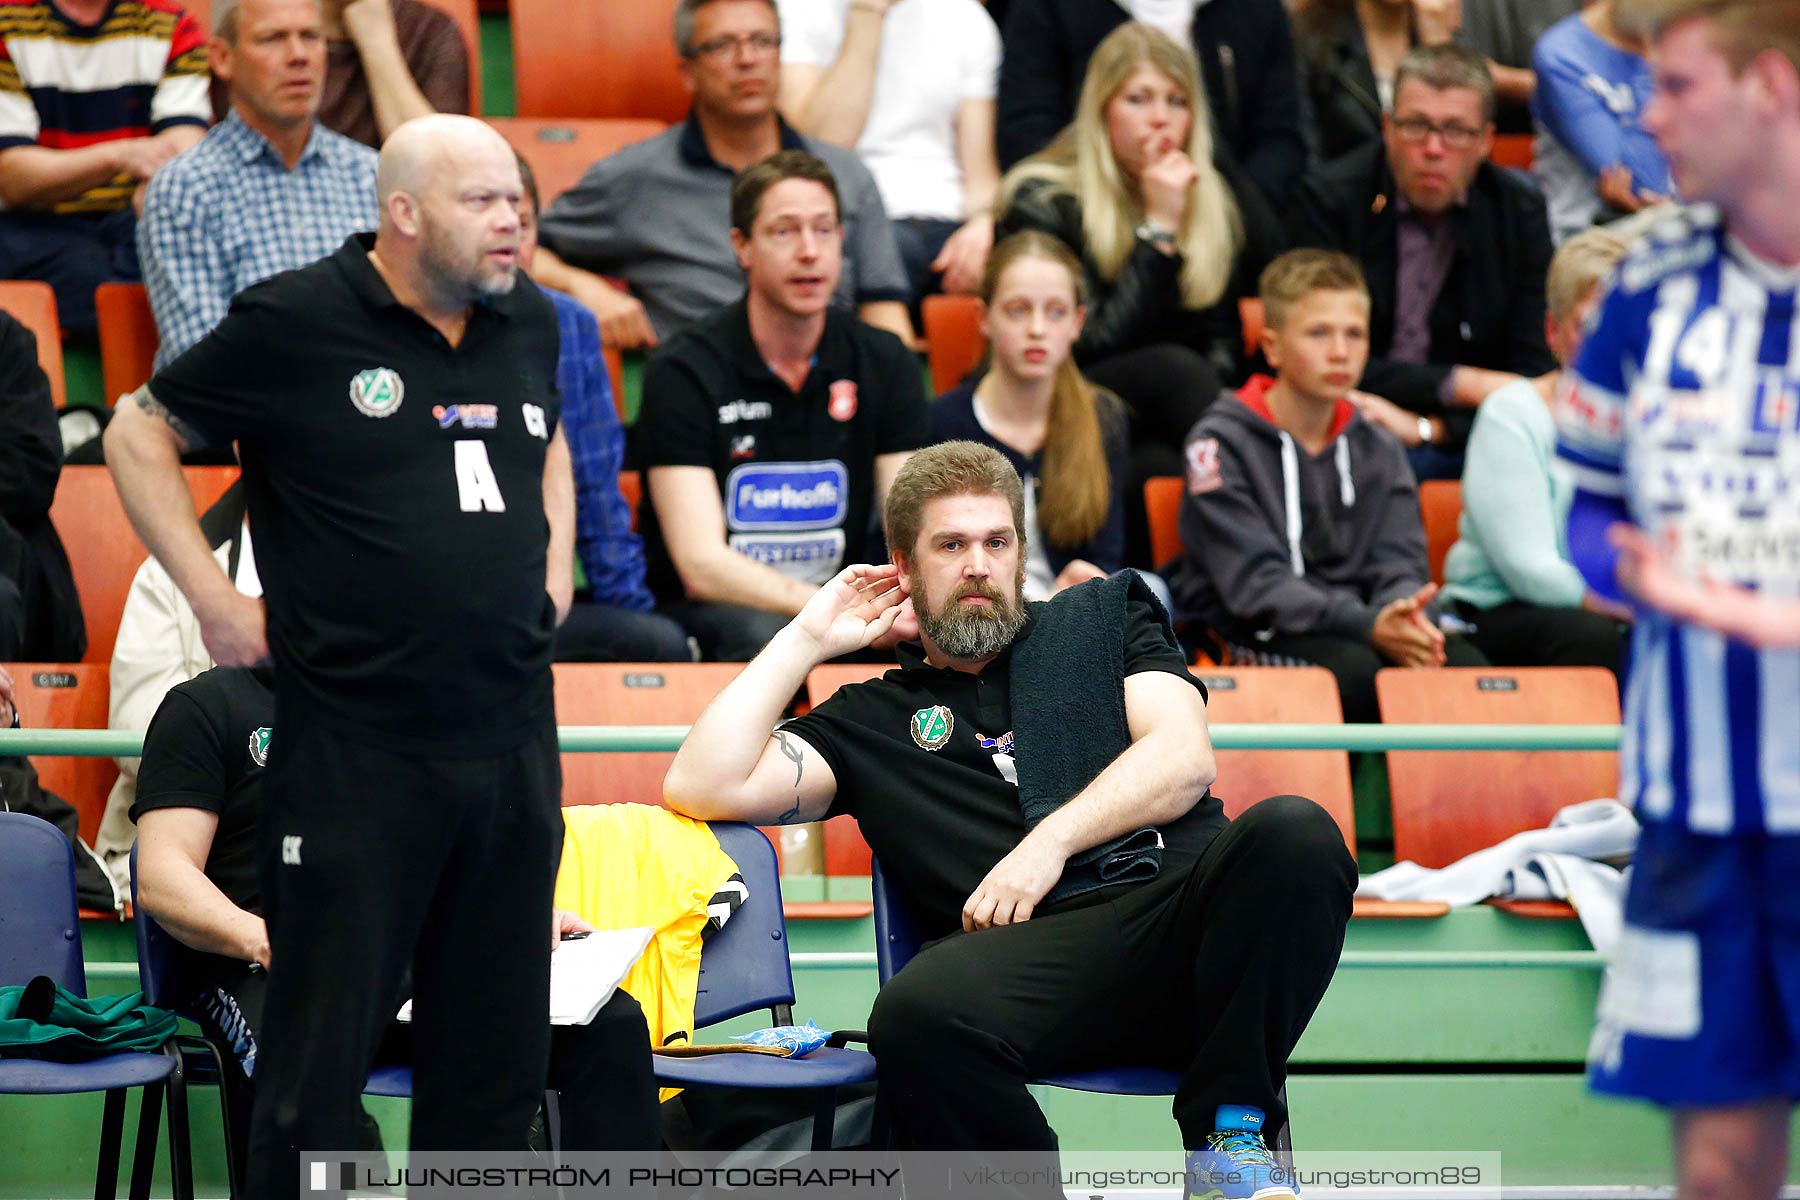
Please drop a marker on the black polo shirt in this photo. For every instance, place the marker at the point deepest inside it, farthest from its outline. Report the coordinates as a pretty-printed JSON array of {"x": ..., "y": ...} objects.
[
  {"x": 395, "y": 484},
  {"x": 796, "y": 470},
  {"x": 940, "y": 819},
  {"x": 205, "y": 749}
]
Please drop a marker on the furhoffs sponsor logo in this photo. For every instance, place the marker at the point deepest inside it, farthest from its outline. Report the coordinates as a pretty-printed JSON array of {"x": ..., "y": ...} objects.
[{"x": 787, "y": 496}]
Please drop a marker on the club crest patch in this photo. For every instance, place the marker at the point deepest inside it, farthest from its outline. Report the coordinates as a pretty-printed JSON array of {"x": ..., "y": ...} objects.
[
  {"x": 842, "y": 405},
  {"x": 377, "y": 392},
  {"x": 931, "y": 727},
  {"x": 259, "y": 746}
]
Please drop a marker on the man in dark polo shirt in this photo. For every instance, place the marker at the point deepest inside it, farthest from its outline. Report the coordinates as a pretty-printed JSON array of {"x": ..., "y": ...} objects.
[
  {"x": 1035, "y": 782},
  {"x": 395, "y": 410},
  {"x": 771, "y": 430}
]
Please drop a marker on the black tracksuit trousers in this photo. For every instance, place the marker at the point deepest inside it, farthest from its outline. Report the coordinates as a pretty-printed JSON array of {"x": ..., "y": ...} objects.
[
  {"x": 1212, "y": 971},
  {"x": 370, "y": 861}
]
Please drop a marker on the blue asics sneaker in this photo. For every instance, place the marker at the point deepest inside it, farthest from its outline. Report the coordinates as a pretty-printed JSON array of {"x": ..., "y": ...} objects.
[{"x": 1235, "y": 1163}]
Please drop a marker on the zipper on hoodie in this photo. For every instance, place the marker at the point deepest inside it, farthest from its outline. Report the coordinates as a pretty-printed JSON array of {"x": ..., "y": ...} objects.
[{"x": 1290, "y": 490}]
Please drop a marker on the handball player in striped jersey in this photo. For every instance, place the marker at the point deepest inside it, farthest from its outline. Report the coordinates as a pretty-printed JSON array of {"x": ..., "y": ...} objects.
[{"x": 1683, "y": 430}]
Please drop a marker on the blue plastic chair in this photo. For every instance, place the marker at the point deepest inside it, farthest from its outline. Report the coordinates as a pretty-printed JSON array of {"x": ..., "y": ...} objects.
[
  {"x": 40, "y": 935},
  {"x": 744, "y": 967},
  {"x": 897, "y": 939},
  {"x": 168, "y": 971}
]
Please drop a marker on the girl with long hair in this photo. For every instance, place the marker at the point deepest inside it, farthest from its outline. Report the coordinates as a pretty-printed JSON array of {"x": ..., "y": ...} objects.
[{"x": 1064, "y": 437}]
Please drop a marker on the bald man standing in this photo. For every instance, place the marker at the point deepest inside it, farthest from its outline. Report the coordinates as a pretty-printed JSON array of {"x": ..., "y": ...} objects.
[{"x": 395, "y": 410}]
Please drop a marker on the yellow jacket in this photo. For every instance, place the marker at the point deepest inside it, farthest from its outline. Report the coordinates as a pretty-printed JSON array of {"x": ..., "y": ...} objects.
[{"x": 625, "y": 865}]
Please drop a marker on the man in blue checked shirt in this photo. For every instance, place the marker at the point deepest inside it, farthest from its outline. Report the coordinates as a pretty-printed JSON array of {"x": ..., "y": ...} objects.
[
  {"x": 615, "y": 623},
  {"x": 268, "y": 189}
]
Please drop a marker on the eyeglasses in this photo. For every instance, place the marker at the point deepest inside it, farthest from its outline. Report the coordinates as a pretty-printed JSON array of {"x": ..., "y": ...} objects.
[
  {"x": 728, "y": 45},
  {"x": 1417, "y": 129}
]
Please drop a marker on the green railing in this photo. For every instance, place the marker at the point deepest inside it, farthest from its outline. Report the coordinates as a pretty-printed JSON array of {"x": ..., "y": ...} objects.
[
  {"x": 628, "y": 738},
  {"x": 625, "y": 739}
]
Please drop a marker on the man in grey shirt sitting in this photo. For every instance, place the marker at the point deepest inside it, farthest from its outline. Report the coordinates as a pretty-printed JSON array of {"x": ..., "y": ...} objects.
[{"x": 657, "y": 214}]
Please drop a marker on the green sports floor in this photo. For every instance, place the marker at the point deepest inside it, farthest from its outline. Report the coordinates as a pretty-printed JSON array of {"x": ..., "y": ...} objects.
[{"x": 1448, "y": 1040}]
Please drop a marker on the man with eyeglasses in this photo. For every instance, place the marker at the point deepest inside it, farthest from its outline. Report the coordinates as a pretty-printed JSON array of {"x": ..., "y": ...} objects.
[
  {"x": 655, "y": 214},
  {"x": 1455, "y": 250},
  {"x": 771, "y": 429}
]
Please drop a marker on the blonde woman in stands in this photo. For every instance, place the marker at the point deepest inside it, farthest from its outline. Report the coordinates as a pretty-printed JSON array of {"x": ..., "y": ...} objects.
[
  {"x": 1064, "y": 437},
  {"x": 1131, "y": 187}
]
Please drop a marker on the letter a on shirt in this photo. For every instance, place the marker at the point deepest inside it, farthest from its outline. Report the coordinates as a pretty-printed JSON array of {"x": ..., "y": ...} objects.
[{"x": 476, "y": 487}]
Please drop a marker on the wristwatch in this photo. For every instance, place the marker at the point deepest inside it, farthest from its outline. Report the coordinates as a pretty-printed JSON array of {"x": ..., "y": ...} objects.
[
  {"x": 1424, "y": 431},
  {"x": 1156, "y": 235}
]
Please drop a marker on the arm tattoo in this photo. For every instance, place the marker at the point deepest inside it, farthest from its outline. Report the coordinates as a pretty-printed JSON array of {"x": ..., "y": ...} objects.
[
  {"x": 155, "y": 408},
  {"x": 793, "y": 753}
]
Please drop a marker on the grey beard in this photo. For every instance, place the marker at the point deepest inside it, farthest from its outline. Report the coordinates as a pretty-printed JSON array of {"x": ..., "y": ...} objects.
[
  {"x": 969, "y": 633},
  {"x": 498, "y": 285},
  {"x": 455, "y": 287}
]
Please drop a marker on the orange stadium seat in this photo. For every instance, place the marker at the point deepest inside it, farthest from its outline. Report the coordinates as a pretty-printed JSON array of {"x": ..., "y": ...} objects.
[
  {"x": 845, "y": 851},
  {"x": 1162, "y": 504},
  {"x": 953, "y": 339},
  {"x": 1286, "y": 696},
  {"x": 560, "y": 151},
  {"x": 630, "y": 694},
  {"x": 104, "y": 551},
  {"x": 128, "y": 337},
  {"x": 597, "y": 58},
  {"x": 33, "y": 305},
  {"x": 1250, "y": 316},
  {"x": 1449, "y": 804},
  {"x": 1513, "y": 150},
  {"x": 615, "y": 375},
  {"x": 68, "y": 696},
  {"x": 631, "y": 486},
  {"x": 1440, "y": 505}
]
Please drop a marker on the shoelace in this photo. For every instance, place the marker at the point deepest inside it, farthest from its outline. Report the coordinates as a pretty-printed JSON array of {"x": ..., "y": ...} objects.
[{"x": 1243, "y": 1147}]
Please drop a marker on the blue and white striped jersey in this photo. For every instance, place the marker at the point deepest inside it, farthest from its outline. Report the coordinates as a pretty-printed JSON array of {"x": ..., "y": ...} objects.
[{"x": 1687, "y": 409}]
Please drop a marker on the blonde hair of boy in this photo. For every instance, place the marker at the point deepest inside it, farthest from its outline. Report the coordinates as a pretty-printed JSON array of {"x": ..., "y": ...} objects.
[{"x": 1299, "y": 272}]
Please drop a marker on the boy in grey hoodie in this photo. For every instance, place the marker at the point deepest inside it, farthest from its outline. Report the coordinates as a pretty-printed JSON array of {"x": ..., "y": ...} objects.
[{"x": 1301, "y": 519}]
